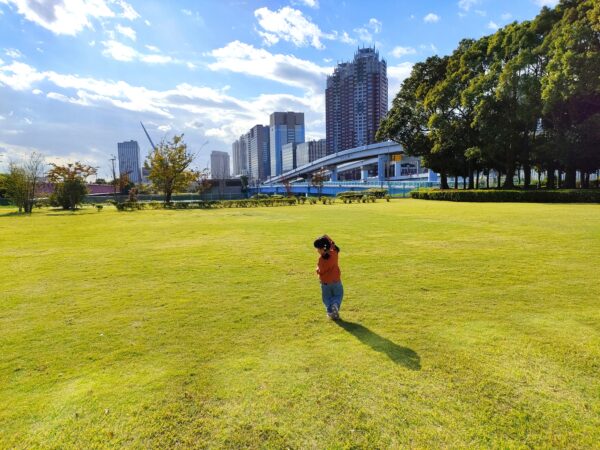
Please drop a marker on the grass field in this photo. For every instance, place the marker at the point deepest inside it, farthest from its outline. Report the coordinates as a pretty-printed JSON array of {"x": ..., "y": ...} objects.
[{"x": 465, "y": 325}]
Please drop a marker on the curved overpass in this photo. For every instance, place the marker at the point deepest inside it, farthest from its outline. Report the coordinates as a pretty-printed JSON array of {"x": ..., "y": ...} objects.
[{"x": 380, "y": 150}]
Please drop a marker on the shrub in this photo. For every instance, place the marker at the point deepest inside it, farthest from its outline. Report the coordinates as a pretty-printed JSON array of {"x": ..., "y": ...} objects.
[
  {"x": 99, "y": 207},
  {"x": 500, "y": 195}
]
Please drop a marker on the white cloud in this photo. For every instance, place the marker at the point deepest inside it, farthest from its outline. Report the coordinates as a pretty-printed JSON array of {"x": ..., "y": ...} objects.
[
  {"x": 62, "y": 16},
  {"x": 480, "y": 13},
  {"x": 346, "y": 39},
  {"x": 431, "y": 18},
  {"x": 13, "y": 53},
  {"x": 399, "y": 52},
  {"x": 1, "y": 62},
  {"x": 128, "y": 11},
  {"x": 506, "y": 16},
  {"x": 126, "y": 31},
  {"x": 27, "y": 120},
  {"x": 549, "y": 3},
  {"x": 36, "y": 92},
  {"x": 70, "y": 17},
  {"x": 165, "y": 128},
  {"x": 148, "y": 23},
  {"x": 224, "y": 114},
  {"x": 396, "y": 75},
  {"x": 365, "y": 33},
  {"x": 121, "y": 52},
  {"x": 19, "y": 76},
  {"x": 118, "y": 51},
  {"x": 153, "y": 48},
  {"x": 467, "y": 4},
  {"x": 286, "y": 69},
  {"x": 428, "y": 47},
  {"x": 310, "y": 3},
  {"x": 92, "y": 43},
  {"x": 290, "y": 25},
  {"x": 187, "y": 12},
  {"x": 493, "y": 25},
  {"x": 156, "y": 59}
]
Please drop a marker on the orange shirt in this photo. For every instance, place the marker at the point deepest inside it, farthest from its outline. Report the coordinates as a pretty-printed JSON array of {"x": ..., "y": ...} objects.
[{"x": 328, "y": 269}]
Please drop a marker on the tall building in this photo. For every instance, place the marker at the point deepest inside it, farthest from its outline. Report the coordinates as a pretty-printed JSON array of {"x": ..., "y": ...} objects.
[
  {"x": 219, "y": 165},
  {"x": 129, "y": 160},
  {"x": 356, "y": 100},
  {"x": 235, "y": 152},
  {"x": 259, "y": 163},
  {"x": 240, "y": 155},
  {"x": 307, "y": 152},
  {"x": 285, "y": 127},
  {"x": 288, "y": 157}
]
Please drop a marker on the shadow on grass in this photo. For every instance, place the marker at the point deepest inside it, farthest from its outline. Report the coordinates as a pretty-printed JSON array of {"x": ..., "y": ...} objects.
[{"x": 400, "y": 355}]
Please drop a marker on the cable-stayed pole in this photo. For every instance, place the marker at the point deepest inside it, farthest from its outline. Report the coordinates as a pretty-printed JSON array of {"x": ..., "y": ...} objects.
[{"x": 148, "y": 136}]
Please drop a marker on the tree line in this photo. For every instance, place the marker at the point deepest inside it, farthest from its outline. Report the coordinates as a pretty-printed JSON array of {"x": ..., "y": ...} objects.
[{"x": 526, "y": 97}]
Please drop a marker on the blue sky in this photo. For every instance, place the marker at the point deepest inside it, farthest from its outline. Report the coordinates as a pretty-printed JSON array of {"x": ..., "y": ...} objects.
[{"x": 76, "y": 76}]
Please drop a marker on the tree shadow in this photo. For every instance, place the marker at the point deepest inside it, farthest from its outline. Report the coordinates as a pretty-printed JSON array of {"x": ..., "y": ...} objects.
[{"x": 400, "y": 355}]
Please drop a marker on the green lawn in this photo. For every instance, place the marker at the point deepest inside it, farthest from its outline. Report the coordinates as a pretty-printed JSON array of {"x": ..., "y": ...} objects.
[{"x": 465, "y": 325}]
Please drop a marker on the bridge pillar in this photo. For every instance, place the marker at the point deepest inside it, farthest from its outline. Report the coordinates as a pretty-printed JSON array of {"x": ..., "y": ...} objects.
[
  {"x": 381, "y": 160},
  {"x": 334, "y": 175},
  {"x": 364, "y": 173}
]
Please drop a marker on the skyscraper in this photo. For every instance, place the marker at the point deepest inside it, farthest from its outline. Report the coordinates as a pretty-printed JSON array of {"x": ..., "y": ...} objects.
[
  {"x": 356, "y": 100},
  {"x": 219, "y": 165},
  {"x": 129, "y": 160},
  {"x": 285, "y": 127},
  {"x": 259, "y": 163},
  {"x": 307, "y": 152},
  {"x": 240, "y": 155}
]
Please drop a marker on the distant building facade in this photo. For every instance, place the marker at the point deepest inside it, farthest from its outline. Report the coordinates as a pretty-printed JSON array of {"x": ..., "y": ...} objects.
[
  {"x": 240, "y": 156},
  {"x": 356, "y": 100},
  {"x": 219, "y": 165},
  {"x": 259, "y": 161},
  {"x": 288, "y": 157},
  {"x": 284, "y": 127},
  {"x": 129, "y": 160},
  {"x": 307, "y": 152}
]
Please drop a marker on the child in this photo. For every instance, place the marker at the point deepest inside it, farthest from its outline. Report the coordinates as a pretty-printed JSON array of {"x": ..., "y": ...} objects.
[{"x": 330, "y": 276}]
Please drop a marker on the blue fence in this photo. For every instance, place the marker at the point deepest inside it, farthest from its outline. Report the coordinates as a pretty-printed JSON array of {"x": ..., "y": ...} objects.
[{"x": 332, "y": 188}]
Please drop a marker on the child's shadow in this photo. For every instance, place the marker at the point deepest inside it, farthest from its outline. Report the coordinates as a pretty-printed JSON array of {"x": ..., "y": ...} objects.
[{"x": 400, "y": 355}]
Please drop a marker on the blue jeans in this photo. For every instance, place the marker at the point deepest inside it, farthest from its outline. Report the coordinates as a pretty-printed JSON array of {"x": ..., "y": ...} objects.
[{"x": 332, "y": 294}]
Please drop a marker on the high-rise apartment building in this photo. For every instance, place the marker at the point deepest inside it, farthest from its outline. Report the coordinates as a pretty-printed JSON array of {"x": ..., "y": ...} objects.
[
  {"x": 129, "y": 160},
  {"x": 356, "y": 100},
  {"x": 285, "y": 127},
  {"x": 219, "y": 165},
  {"x": 240, "y": 155},
  {"x": 307, "y": 152},
  {"x": 259, "y": 162}
]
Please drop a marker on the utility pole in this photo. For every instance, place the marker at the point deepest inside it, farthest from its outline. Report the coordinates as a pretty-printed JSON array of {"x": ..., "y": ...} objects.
[{"x": 114, "y": 180}]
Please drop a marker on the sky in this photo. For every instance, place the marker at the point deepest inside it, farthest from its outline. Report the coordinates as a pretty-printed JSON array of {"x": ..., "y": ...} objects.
[{"x": 78, "y": 76}]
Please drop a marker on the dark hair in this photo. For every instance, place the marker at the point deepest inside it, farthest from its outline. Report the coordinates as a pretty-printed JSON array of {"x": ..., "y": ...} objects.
[{"x": 325, "y": 244}]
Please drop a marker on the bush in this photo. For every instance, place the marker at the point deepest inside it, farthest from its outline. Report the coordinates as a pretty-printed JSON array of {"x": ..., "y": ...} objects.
[{"x": 500, "y": 195}]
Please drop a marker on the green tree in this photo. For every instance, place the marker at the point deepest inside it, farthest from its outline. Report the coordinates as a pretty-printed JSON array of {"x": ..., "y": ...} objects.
[
  {"x": 168, "y": 165},
  {"x": 69, "y": 183},
  {"x": 408, "y": 121},
  {"x": 571, "y": 87},
  {"x": 23, "y": 181}
]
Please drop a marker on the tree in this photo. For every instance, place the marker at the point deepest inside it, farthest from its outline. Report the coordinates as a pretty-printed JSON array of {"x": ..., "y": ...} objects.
[
  {"x": 23, "y": 181},
  {"x": 203, "y": 182},
  {"x": 69, "y": 183},
  {"x": 168, "y": 165},
  {"x": 318, "y": 179},
  {"x": 407, "y": 123}
]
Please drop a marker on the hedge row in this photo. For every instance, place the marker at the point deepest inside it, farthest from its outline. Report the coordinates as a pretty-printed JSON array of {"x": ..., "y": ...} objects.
[
  {"x": 255, "y": 202},
  {"x": 532, "y": 196}
]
